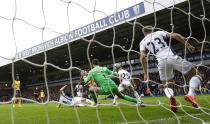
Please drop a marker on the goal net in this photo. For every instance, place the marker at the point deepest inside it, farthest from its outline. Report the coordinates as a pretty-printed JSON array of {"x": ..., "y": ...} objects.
[{"x": 46, "y": 44}]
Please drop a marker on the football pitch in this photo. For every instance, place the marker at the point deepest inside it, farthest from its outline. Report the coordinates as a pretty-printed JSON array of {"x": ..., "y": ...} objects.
[{"x": 37, "y": 114}]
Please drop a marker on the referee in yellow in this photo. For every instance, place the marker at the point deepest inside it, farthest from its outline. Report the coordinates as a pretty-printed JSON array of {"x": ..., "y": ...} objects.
[{"x": 16, "y": 86}]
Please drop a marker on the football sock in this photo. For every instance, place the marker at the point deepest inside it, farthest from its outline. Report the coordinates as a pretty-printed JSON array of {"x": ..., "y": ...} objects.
[
  {"x": 128, "y": 98},
  {"x": 93, "y": 95},
  {"x": 136, "y": 94},
  {"x": 169, "y": 92}
]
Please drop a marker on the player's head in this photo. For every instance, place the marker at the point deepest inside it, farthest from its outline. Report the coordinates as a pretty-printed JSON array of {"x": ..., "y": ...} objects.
[
  {"x": 83, "y": 73},
  {"x": 17, "y": 78},
  {"x": 117, "y": 66},
  {"x": 95, "y": 62},
  {"x": 147, "y": 30}
]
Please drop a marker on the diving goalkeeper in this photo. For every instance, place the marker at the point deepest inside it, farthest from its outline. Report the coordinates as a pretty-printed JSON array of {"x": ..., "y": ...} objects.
[{"x": 105, "y": 86}]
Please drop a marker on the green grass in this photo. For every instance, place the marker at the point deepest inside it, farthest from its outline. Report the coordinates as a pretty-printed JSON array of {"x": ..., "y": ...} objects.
[{"x": 36, "y": 114}]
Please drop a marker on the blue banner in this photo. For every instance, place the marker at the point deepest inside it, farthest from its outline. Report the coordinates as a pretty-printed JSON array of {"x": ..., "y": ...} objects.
[{"x": 99, "y": 25}]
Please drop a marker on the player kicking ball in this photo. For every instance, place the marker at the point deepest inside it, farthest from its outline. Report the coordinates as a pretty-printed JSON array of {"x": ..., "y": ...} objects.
[
  {"x": 168, "y": 61},
  {"x": 75, "y": 101},
  {"x": 125, "y": 82},
  {"x": 105, "y": 86}
]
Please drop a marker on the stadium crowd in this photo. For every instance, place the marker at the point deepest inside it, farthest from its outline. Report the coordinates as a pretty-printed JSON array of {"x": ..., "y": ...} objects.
[
  {"x": 54, "y": 90},
  {"x": 178, "y": 88}
]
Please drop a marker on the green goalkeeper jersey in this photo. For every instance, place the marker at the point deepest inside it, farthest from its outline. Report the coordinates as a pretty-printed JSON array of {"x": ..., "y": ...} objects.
[{"x": 101, "y": 75}]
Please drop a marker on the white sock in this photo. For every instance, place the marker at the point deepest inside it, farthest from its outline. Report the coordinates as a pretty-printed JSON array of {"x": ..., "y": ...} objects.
[
  {"x": 169, "y": 92},
  {"x": 89, "y": 101},
  {"x": 193, "y": 84},
  {"x": 115, "y": 97},
  {"x": 136, "y": 94},
  {"x": 191, "y": 92}
]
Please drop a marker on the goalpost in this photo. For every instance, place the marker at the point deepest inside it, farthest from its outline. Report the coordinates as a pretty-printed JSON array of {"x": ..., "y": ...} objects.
[{"x": 82, "y": 22}]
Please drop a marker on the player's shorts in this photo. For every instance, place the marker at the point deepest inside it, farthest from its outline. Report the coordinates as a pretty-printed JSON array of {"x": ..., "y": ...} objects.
[
  {"x": 18, "y": 93},
  {"x": 108, "y": 89},
  {"x": 123, "y": 85},
  {"x": 166, "y": 67},
  {"x": 77, "y": 101},
  {"x": 79, "y": 94},
  {"x": 65, "y": 99}
]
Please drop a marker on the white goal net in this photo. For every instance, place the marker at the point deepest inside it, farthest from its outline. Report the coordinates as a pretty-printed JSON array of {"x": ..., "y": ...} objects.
[{"x": 45, "y": 44}]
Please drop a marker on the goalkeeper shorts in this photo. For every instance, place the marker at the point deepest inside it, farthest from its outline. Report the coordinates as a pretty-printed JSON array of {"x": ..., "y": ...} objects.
[{"x": 110, "y": 89}]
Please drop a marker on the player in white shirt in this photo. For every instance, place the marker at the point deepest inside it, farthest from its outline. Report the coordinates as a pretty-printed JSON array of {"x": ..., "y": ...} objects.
[
  {"x": 125, "y": 81},
  {"x": 168, "y": 61},
  {"x": 72, "y": 101},
  {"x": 79, "y": 89}
]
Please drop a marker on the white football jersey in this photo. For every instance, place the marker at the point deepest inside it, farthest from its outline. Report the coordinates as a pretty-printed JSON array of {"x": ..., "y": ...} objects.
[
  {"x": 155, "y": 43},
  {"x": 124, "y": 75},
  {"x": 79, "y": 88}
]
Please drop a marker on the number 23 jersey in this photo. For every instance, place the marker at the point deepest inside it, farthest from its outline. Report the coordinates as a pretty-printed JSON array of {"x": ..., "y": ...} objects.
[
  {"x": 124, "y": 76},
  {"x": 156, "y": 44}
]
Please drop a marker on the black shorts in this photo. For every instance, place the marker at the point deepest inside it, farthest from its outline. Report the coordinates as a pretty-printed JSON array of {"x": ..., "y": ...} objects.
[{"x": 18, "y": 93}]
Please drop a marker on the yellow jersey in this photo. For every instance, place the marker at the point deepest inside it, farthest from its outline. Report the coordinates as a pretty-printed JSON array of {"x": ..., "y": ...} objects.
[
  {"x": 17, "y": 85},
  {"x": 42, "y": 94}
]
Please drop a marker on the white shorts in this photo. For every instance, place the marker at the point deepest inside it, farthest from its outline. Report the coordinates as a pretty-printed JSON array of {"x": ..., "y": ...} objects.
[
  {"x": 166, "y": 67},
  {"x": 77, "y": 101},
  {"x": 123, "y": 85},
  {"x": 79, "y": 94},
  {"x": 65, "y": 99}
]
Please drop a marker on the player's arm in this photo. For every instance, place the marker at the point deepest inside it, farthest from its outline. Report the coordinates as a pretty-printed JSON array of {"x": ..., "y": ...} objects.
[
  {"x": 112, "y": 73},
  {"x": 181, "y": 39},
  {"x": 75, "y": 88},
  {"x": 87, "y": 79},
  {"x": 62, "y": 88},
  {"x": 144, "y": 64}
]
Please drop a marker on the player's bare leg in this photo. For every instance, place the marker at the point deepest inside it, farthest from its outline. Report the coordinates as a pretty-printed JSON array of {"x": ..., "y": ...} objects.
[
  {"x": 191, "y": 73},
  {"x": 13, "y": 102},
  {"x": 20, "y": 103},
  {"x": 59, "y": 105},
  {"x": 93, "y": 90},
  {"x": 88, "y": 101},
  {"x": 120, "y": 88}
]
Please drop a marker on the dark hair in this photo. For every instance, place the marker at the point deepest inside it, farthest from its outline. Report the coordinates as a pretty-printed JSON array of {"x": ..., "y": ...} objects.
[
  {"x": 147, "y": 29},
  {"x": 17, "y": 77},
  {"x": 95, "y": 62}
]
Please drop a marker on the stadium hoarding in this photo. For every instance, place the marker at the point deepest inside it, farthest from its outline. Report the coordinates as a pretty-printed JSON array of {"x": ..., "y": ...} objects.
[
  {"x": 94, "y": 27},
  {"x": 138, "y": 10}
]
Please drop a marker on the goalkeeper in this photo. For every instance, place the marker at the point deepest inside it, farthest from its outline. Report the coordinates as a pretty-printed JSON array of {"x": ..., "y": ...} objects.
[{"x": 105, "y": 86}]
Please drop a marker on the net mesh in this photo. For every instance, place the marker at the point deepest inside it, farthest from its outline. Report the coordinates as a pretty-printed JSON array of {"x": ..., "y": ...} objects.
[{"x": 189, "y": 17}]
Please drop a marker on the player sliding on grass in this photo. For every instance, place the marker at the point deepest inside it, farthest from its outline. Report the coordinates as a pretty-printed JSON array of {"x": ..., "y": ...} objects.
[
  {"x": 105, "y": 86},
  {"x": 155, "y": 43},
  {"x": 125, "y": 81},
  {"x": 75, "y": 101}
]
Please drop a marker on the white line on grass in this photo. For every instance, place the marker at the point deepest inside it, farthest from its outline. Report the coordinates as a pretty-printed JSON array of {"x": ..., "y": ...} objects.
[{"x": 170, "y": 118}]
